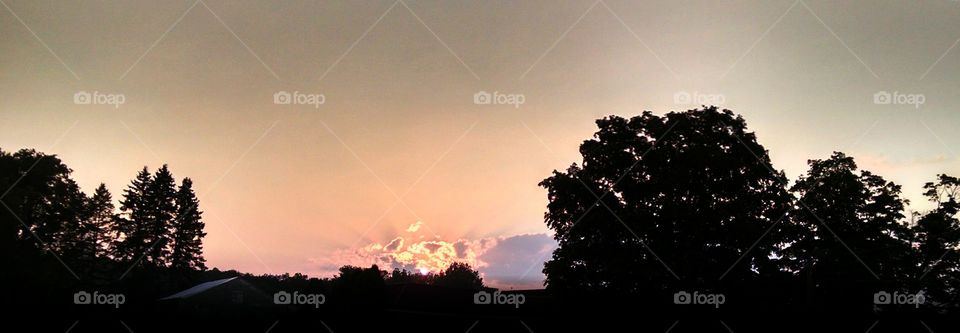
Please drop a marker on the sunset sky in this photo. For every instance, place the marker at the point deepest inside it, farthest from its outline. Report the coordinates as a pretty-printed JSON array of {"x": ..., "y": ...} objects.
[{"x": 399, "y": 165}]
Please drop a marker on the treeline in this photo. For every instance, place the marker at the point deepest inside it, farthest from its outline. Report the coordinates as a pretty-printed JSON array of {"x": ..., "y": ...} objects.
[
  {"x": 50, "y": 225},
  {"x": 690, "y": 201}
]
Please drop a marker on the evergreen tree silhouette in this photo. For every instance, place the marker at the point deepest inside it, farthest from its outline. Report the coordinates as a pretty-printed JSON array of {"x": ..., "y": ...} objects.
[
  {"x": 101, "y": 220},
  {"x": 135, "y": 222},
  {"x": 187, "y": 249},
  {"x": 160, "y": 201}
]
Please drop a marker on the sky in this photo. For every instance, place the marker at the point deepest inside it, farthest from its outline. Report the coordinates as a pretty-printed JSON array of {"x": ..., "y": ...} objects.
[{"x": 388, "y": 151}]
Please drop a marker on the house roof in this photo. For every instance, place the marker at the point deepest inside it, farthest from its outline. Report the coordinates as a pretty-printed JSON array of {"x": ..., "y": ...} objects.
[{"x": 198, "y": 289}]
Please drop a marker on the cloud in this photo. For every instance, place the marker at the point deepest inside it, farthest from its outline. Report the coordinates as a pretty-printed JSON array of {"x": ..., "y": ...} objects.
[
  {"x": 394, "y": 245},
  {"x": 414, "y": 227},
  {"x": 514, "y": 262},
  {"x": 517, "y": 262}
]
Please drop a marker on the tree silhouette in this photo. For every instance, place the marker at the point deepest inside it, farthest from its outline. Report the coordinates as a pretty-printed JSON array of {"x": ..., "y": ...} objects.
[
  {"x": 160, "y": 198},
  {"x": 459, "y": 275},
  {"x": 938, "y": 241},
  {"x": 689, "y": 193},
  {"x": 134, "y": 224},
  {"x": 187, "y": 249},
  {"x": 101, "y": 221},
  {"x": 853, "y": 240}
]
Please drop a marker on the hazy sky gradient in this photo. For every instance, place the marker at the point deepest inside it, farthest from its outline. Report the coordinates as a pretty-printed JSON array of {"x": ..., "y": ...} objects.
[{"x": 284, "y": 185}]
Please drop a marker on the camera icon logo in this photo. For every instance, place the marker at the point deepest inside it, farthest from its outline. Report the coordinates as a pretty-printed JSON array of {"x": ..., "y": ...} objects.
[
  {"x": 282, "y": 297},
  {"x": 82, "y": 97},
  {"x": 482, "y": 98},
  {"x": 882, "y": 97},
  {"x": 482, "y": 297},
  {"x": 282, "y": 97},
  {"x": 682, "y": 297},
  {"x": 882, "y": 297},
  {"x": 682, "y": 97},
  {"x": 82, "y": 297}
]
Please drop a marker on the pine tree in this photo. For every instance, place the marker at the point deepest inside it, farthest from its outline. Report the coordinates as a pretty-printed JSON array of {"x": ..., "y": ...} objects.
[
  {"x": 160, "y": 200},
  {"x": 101, "y": 220},
  {"x": 188, "y": 232},
  {"x": 132, "y": 224}
]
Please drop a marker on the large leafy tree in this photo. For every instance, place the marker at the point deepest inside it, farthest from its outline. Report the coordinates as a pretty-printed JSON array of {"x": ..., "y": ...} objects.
[
  {"x": 938, "y": 242},
  {"x": 459, "y": 275},
  {"x": 43, "y": 206},
  {"x": 187, "y": 247},
  {"x": 681, "y": 198},
  {"x": 853, "y": 240}
]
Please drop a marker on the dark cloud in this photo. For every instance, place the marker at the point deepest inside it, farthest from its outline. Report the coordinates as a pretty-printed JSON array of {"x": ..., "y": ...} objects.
[{"x": 517, "y": 262}]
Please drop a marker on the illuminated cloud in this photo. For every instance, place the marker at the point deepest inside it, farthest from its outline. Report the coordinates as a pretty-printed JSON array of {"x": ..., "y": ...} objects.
[
  {"x": 513, "y": 262},
  {"x": 414, "y": 227}
]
